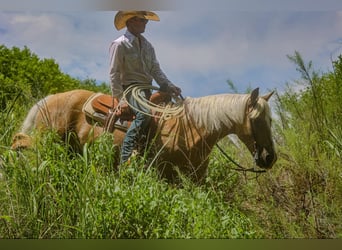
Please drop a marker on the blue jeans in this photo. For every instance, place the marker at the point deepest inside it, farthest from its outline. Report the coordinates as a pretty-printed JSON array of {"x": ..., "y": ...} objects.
[{"x": 137, "y": 128}]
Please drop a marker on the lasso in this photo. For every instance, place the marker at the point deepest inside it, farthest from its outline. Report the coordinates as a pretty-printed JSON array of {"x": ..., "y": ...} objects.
[{"x": 162, "y": 112}]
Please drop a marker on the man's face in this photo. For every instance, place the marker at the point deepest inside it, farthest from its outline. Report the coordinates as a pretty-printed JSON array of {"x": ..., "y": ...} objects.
[{"x": 137, "y": 25}]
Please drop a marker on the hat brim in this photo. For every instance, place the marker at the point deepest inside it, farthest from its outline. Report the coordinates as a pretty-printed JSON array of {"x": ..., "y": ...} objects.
[{"x": 123, "y": 16}]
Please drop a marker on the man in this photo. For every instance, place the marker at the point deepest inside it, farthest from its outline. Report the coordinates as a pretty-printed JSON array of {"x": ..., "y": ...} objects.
[{"x": 133, "y": 61}]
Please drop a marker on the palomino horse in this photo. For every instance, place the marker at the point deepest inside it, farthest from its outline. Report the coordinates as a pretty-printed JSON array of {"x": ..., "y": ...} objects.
[{"x": 183, "y": 143}]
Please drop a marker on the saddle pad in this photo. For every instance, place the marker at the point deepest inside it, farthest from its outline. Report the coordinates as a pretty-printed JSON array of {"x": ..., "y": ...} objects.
[
  {"x": 103, "y": 103},
  {"x": 98, "y": 105},
  {"x": 87, "y": 106},
  {"x": 93, "y": 117}
]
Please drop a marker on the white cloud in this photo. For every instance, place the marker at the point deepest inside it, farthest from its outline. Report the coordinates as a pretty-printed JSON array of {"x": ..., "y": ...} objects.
[
  {"x": 198, "y": 49},
  {"x": 237, "y": 45},
  {"x": 77, "y": 41}
]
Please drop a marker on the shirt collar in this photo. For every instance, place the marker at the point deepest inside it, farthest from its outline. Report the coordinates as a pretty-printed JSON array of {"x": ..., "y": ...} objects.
[{"x": 130, "y": 36}]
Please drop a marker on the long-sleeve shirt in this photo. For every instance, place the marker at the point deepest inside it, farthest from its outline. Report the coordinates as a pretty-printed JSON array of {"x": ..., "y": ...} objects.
[{"x": 133, "y": 61}]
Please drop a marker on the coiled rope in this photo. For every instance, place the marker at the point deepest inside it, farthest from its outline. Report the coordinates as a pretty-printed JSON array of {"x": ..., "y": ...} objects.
[{"x": 171, "y": 110}]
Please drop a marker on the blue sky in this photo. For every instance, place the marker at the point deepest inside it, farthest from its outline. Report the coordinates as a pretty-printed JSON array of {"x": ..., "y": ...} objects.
[{"x": 199, "y": 48}]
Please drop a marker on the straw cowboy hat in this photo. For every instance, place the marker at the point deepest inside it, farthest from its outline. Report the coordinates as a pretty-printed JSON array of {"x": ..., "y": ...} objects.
[{"x": 123, "y": 16}]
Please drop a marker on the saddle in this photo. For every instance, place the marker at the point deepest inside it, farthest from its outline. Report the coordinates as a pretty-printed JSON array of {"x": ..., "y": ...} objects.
[{"x": 103, "y": 109}]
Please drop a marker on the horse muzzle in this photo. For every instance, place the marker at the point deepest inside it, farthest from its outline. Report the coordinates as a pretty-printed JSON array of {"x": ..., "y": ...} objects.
[{"x": 265, "y": 159}]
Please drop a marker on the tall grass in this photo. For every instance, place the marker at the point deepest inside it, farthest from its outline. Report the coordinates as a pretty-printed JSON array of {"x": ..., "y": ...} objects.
[{"x": 49, "y": 192}]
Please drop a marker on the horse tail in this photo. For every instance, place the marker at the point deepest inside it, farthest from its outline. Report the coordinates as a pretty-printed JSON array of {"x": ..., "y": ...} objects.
[{"x": 22, "y": 139}]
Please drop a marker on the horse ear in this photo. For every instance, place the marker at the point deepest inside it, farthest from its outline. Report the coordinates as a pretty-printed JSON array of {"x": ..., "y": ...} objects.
[
  {"x": 254, "y": 97},
  {"x": 267, "y": 96}
]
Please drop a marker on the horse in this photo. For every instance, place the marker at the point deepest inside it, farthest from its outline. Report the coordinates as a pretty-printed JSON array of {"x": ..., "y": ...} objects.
[{"x": 183, "y": 143}]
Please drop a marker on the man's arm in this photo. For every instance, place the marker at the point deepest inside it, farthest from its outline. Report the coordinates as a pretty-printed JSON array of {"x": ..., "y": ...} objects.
[
  {"x": 116, "y": 59},
  {"x": 160, "y": 77}
]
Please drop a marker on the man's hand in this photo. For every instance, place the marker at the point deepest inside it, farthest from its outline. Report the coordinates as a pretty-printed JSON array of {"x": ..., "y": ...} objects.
[
  {"x": 122, "y": 108},
  {"x": 173, "y": 89}
]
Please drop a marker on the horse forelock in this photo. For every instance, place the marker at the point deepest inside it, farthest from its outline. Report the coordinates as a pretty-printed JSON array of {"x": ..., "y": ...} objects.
[
  {"x": 261, "y": 108},
  {"x": 217, "y": 111}
]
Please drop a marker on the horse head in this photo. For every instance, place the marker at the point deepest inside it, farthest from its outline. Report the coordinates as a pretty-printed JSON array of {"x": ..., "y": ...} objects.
[{"x": 259, "y": 136}]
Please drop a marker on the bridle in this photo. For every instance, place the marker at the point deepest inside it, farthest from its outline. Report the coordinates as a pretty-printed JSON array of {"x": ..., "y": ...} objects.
[
  {"x": 255, "y": 156},
  {"x": 238, "y": 166}
]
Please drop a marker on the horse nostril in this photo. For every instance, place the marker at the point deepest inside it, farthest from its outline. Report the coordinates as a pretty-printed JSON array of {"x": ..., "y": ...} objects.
[
  {"x": 267, "y": 159},
  {"x": 274, "y": 158},
  {"x": 270, "y": 159}
]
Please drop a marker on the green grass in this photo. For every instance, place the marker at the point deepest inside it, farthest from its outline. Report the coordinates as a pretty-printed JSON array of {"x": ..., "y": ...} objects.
[{"x": 48, "y": 192}]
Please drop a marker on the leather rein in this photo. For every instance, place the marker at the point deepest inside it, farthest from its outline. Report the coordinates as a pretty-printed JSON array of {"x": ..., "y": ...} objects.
[{"x": 238, "y": 166}]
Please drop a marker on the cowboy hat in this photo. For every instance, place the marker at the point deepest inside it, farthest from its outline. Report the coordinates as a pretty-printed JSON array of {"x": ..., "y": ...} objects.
[{"x": 123, "y": 16}]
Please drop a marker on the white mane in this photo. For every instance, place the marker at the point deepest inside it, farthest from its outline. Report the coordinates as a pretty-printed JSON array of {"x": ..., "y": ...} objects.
[{"x": 217, "y": 111}]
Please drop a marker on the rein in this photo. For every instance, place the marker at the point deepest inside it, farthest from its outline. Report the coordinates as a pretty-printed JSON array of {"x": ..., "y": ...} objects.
[{"x": 239, "y": 167}]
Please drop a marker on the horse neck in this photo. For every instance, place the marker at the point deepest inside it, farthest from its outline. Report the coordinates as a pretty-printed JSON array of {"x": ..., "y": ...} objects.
[{"x": 218, "y": 114}]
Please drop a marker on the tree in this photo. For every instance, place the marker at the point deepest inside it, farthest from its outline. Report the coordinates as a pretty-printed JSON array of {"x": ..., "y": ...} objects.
[{"x": 24, "y": 76}]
